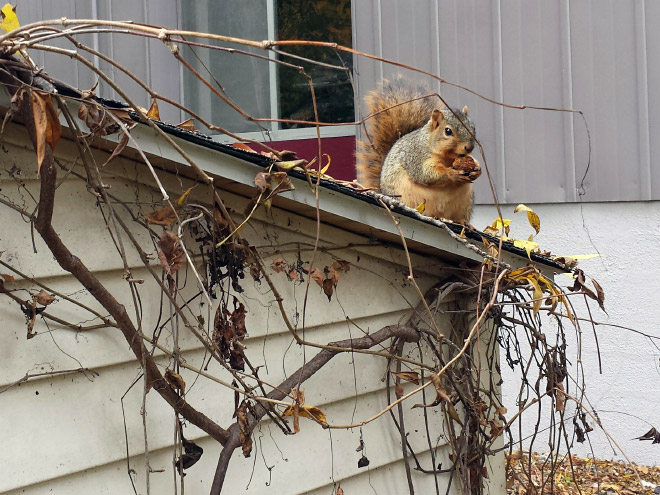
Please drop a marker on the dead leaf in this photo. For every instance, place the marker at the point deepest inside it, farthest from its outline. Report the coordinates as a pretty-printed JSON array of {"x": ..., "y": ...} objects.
[
  {"x": 153, "y": 112},
  {"x": 167, "y": 215},
  {"x": 409, "y": 376},
  {"x": 244, "y": 429},
  {"x": 170, "y": 252},
  {"x": 532, "y": 217},
  {"x": 328, "y": 288},
  {"x": 340, "y": 490},
  {"x": 243, "y": 146},
  {"x": 46, "y": 124},
  {"x": 175, "y": 380},
  {"x": 7, "y": 277},
  {"x": 293, "y": 274},
  {"x": 337, "y": 268},
  {"x": 118, "y": 149},
  {"x": 192, "y": 454},
  {"x": 43, "y": 298},
  {"x": 272, "y": 183},
  {"x": 317, "y": 276},
  {"x": 278, "y": 265},
  {"x": 188, "y": 125},
  {"x": 600, "y": 294}
]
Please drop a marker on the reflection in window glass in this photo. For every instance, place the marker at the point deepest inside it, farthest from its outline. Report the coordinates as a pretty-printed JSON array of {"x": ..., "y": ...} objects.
[
  {"x": 246, "y": 80},
  {"x": 321, "y": 20},
  {"x": 241, "y": 78}
]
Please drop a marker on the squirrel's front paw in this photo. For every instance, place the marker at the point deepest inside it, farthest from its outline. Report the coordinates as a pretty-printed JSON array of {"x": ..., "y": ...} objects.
[{"x": 467, "y": 168}]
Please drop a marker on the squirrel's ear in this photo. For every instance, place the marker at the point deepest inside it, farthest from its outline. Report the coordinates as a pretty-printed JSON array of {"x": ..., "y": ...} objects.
[
  {"x": 465, "y": 110},
  {"x": 436, "y": 119}
]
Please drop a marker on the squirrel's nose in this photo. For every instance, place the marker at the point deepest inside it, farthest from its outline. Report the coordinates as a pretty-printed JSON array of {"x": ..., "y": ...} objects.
[{"x": 469, "y": 147}]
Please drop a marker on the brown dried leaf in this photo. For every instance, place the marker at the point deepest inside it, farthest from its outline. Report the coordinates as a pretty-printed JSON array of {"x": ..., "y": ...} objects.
[
  {"x": 317, "y": 276},
  {"x": 7, "y": 277},
  {"x": 238, "y": 320},
  {"x": 261, "y": 181},
  {"x": 188, "y": 125},
  {"x": 244, "y": 429},
  {"x": 46, "y": 124},
  {"x": 328, "y": 288},
  {"x": 278, "y": 265},
  {"x": 243, "y": 146},
  {"x": 600, "y": 294},
  {"x": 337, "y": 268},
  {"x": 153, "y": 112},
  {"x": 170, "y": 252},
  {"x": 409, "y": 376},
  {"x": 165, "y": 216},
  {"x": 118, "y": 149},
  {"x": 43, "y": 298},
  {"x": 175, "y": 380}
]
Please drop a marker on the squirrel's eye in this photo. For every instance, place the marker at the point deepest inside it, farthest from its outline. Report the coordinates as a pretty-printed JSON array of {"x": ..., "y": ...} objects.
[{"x": 448, "y": 131}]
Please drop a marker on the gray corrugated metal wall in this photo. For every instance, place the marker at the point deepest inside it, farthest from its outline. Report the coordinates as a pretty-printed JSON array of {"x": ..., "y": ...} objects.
[
  {"x": 149, "y": 60},
  {"x": 589, "y": 55}
]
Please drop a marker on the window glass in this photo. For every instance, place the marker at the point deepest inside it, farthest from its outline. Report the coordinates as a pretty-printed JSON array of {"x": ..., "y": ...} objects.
[
  {"x": 246, "y": 80},
  {"x": 321, "y": 20},
  {"x": 243, "y": 79}
]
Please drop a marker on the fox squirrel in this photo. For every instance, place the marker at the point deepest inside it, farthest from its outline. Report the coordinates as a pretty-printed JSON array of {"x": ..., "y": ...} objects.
[{"x": 418, "y": 152}]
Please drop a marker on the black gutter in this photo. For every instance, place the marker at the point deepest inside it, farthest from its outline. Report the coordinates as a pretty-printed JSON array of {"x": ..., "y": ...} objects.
[{"x": 262, "y": 161}]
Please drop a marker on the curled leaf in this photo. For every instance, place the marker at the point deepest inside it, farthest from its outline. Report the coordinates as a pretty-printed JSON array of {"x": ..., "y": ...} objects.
[
  {"x": 532, "y": 217},
  {"x": 46, "y": 124},
  {"x": 175, "y": 380},
  {"x": 409, "y": 376},
  {"x": 170, "y": 252},
  {"x": 43, "y": 298}
]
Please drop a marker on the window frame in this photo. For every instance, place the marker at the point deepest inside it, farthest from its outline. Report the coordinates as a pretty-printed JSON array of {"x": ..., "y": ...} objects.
[{"x": 274, "y": 132}]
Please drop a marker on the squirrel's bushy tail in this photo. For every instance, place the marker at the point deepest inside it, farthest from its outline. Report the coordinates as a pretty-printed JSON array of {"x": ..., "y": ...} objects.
[{"x": 394, "y": 109}]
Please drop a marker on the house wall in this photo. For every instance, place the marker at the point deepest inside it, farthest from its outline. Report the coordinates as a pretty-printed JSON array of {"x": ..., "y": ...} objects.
[
  {"x": 67, "y": 433},
  {"x": 624, "y": 396}
]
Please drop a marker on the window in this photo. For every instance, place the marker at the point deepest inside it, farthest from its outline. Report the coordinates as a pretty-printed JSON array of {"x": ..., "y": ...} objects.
[{"x": 266, "y": 89}]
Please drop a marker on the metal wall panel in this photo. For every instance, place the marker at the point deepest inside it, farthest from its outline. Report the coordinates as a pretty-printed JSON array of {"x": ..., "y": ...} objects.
[
  {"x": 149, "y": 60},
  {"x": 588, "y": 55}
]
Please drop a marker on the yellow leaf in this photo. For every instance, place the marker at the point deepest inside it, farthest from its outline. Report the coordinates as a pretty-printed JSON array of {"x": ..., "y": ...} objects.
[
  {"x": 421, "y": 207},
  {"x": 538, "y": 294},
  {"x": 528, "y": 246},
  {"x": 153, "y": 113},
  {"x": 305, "y": 411},
  {"x": 325, "y": 169},
  {"x": 292, "y": 164},
  {"x": 183, "y": 197},
  {"x": 9, "y": 18},
  {"x": 533, "y": 218}
]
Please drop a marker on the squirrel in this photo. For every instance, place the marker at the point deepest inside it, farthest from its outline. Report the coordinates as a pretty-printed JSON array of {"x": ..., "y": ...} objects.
[{"x": 418, "y": 152}]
